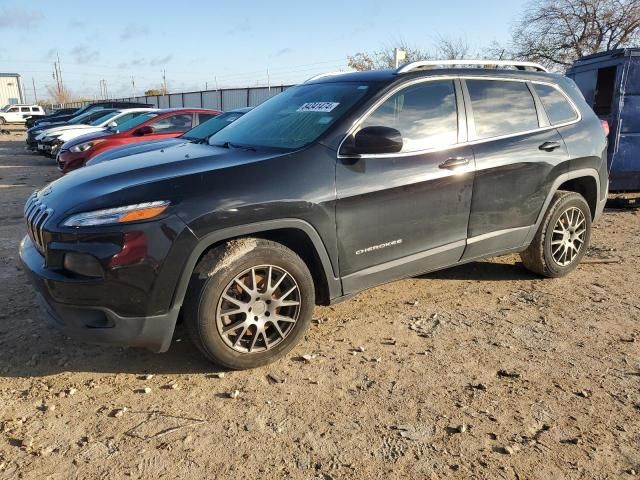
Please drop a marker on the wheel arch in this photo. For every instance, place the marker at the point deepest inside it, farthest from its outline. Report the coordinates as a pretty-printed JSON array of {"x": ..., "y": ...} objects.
[
  {"x": 295, "y": 234},
  {"x": 587, "y": 186},
  {"x": 581, "y": 178}
]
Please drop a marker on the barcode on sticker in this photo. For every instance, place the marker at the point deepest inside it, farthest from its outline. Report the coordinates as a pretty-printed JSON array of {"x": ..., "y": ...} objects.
[{"x": 324, "y": 107}]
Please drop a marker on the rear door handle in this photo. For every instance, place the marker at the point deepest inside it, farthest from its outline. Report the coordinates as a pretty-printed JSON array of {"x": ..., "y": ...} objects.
[
  {"x": 454, "y": 162},
  {"x": 549, "y": 146}
]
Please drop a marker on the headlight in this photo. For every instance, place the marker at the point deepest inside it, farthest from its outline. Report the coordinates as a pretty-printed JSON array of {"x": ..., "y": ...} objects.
[
  {"x": 83, "y": 147},
  {"x": 109, "y": 216}
]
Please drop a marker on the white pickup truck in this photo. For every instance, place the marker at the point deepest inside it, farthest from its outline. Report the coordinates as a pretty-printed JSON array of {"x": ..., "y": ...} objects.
[{"x": 19, "y": 113}]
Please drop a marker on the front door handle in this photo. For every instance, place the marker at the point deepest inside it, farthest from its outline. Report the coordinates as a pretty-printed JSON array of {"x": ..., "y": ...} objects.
[
  {"x": 454, "y": 162},
  {"x": 549, "y": 146}
]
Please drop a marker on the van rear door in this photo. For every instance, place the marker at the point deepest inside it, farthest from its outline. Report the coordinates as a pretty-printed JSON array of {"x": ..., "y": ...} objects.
[{"x": 625, "y": 139}]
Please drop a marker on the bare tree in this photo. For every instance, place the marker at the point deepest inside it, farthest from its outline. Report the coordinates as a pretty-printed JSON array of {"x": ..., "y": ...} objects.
[
  {"x": 59, "y": 94},
  {"x": 384, "y": 58},
  {"x": 450, "y": 48},
  {"x": 557, "y": 32},
  {"x": 445, "y": 48}
]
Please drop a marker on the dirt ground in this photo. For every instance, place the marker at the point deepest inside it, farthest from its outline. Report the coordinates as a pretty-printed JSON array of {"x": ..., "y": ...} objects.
[{"x": 482, "y": 371}]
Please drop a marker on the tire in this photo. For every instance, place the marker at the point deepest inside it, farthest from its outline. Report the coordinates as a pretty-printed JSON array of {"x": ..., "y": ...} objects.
[
  {"x": 2, "y": 121},
  {"x": 549, "y": 254},
  {"x": 261, "y": 337}
]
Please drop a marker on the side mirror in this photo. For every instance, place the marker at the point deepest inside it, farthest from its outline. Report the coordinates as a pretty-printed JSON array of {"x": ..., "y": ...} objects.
[
  {"x": 146, "y": 130},
  {"x": 112, "y": 124},
  {"x": 377, "y": 140}
]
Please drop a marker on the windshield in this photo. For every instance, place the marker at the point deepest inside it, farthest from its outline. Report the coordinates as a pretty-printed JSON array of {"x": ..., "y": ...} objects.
[
  {"x": 294, "y": 118},
  {"x": 211, "y": 126},
  {"x": 135, "y": 121},
  {"x": 102, "y": 119},
  {"x": 86, "y": 115}
]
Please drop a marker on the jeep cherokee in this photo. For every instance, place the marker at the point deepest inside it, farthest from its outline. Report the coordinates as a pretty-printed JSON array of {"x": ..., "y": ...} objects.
[{"x": 333, "y": 186}]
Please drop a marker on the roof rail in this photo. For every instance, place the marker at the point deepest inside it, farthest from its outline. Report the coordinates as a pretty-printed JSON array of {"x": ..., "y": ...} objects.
[
  {"x": 322, "y": 75},
  {"x": 409, "y": 67}
]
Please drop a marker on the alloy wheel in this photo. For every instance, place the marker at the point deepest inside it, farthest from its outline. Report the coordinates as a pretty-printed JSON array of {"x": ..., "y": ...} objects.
[
  {"x": 258, "y": 309},
  {"x": 568, "y": 236}
]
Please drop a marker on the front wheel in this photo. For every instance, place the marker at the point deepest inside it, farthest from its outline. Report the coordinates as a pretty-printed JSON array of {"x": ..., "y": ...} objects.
[
  {"x": 562, "y": 238},
  {"x": 2, "y": 121},
  {"x": 249, "y": 303}
]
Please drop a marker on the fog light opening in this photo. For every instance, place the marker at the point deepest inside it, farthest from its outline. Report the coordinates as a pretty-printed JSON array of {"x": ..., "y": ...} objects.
[{"x": 83, "y": 264}]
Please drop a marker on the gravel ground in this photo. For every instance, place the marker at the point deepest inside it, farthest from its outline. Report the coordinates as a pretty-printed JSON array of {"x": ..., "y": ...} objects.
[{"x": 481, "y": 371}]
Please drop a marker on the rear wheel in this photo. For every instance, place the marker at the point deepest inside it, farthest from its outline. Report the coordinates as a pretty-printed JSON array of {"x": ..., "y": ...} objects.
[
  {"x": 2, "y": 121},
  {"x": 250, "y": 303},
  {"x": 562, "y": 238}
]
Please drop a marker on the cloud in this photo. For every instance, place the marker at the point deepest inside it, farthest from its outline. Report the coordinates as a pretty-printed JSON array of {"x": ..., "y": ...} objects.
[
  {"x": 154, "y": 62},
  {"x": 132, "y": 30},
  {"x": 143, "y": 62},
  {"x": 82, "y": 54},
  {"x": 240, "y": 27},
  {"x": 284, "y": 51},
  {"x": 75, "y": 23},
  {"x": 50, "y": 54},
  {"x": 19, "y": 18}
]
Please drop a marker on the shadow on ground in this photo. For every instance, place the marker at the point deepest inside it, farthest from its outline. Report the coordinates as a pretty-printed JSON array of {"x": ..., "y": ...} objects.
[
  {"x": 42, "y": 350},
  {"x": 483, "y": 271}
]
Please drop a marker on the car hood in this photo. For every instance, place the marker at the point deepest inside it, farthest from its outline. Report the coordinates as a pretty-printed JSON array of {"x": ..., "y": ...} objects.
[
  {"x": 85, "y": 137},
  {"x": 45, "y": 126},
  {"x": 64, "y": 128},
  {"x": 134, "y": 148},
  {"x": 127, "y": 180}
]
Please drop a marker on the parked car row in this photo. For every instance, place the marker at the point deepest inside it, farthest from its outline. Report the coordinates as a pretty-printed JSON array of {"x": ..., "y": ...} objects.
[
  {"x": 74, "y": 142},
  {"x": 333, "y": 186}
]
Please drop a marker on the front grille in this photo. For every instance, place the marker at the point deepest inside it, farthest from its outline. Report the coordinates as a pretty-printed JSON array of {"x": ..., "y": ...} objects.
[{"x": 36, "y": 214}]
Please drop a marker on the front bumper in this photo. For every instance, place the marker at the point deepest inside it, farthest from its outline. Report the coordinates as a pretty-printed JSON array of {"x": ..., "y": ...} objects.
[
  {"x": 49, "y": 147},
  {"x": 68, "y": 160},
  {"x": 81, "y": 308}
]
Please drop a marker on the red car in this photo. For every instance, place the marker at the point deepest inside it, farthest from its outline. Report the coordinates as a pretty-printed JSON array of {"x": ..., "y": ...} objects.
[{"x": 154, "y": 125}]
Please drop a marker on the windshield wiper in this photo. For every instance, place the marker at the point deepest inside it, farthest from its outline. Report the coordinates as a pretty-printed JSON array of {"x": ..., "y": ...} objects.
[{"x": 235, "y": 145}]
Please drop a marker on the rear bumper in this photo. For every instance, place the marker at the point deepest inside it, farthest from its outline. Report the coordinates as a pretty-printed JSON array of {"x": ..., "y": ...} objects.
[{"x": 94, "y": 324}]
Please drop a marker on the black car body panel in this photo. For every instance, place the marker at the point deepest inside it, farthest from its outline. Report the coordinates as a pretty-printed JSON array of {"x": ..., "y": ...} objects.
[{"x": 358, "y": 220}]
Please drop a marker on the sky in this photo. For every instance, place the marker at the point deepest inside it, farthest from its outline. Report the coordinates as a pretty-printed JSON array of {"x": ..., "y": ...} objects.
[{"x": 223, "y": 43}]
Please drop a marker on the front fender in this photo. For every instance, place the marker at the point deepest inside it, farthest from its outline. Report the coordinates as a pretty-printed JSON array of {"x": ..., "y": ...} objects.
[{"x": 204, "y": 243}]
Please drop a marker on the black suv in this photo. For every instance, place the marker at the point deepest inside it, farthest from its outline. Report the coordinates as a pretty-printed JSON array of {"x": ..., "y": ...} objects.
[{"x": 333, "y": 186}]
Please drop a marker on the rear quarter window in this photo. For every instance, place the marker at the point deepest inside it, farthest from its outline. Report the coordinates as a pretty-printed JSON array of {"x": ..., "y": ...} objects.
[
  {"x": 501, "y": 108},
  {"x": 558, "y": 108}
]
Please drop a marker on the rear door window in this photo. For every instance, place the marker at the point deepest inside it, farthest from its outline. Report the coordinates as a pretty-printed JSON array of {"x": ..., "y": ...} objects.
[
  {"x": 24, "y": 109},
  {"x": 173, "y": 124},
  {"x": 605, "y": 88},
  {"x": 501, "y": 108},
  {"x": 558, "y": 108},
  {"x": 425, "y": 115},
  {"x": 203, "y": 117}
]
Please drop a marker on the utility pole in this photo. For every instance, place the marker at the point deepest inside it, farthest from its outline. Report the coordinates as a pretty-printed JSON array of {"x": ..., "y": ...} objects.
[
  {"x": 35, "y": 95},
  {"x": 133, "y": 87},
  {"x": 104, "y": 93},
  {"x": 164, "y": 82}
]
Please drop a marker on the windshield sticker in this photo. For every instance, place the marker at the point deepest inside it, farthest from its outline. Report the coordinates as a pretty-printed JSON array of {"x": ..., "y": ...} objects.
[{"x": 324, "y": 107}]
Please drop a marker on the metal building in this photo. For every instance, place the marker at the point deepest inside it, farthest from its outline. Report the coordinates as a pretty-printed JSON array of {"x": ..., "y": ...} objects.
[{"x": 10, "y": 89}]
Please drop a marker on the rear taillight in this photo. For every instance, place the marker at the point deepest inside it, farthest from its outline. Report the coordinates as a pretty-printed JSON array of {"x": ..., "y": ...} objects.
[{"x": 605, "y": 127}]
